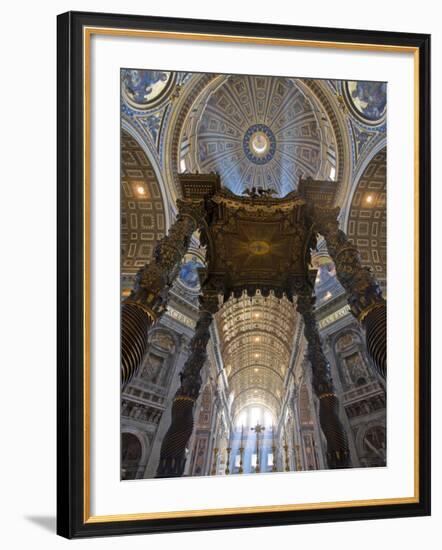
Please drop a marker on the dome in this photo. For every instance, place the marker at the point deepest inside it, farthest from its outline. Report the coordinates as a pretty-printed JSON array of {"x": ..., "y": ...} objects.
[{"x": 261, "y": 132}]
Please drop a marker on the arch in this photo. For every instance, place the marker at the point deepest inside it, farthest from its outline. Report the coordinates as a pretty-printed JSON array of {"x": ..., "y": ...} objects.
[
  {"x": 174, "y": 121},
  {"x": 347, "y": 199},
  {"x": 245, "y": 410},
  {"x": 353, "y": 364},
  {"x": 349, "y": 330},
  {"x": 134, "y": 452},
  {"x": 256, "y": 394},
  {"x": 367, "y": 224},
  {"x": 327, "y": 100},
  {"x": 158, "y": 363},
  {"x": 152, "y": 154},
  {"x": 193, "y": 101},
  {"x": 143, "y": 215},
  {"x": 369, "y": 453},
  {"x": 164, "y": 338},
  {"x": 255, "y": 366}
]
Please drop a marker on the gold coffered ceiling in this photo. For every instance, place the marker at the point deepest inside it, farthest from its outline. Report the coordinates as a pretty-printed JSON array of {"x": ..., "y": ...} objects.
[{"x": 256, "y": 336}]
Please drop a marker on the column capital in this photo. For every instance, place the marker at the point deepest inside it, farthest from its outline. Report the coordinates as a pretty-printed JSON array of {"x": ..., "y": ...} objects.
[
  {"x": 193, "y": 208},
  {"x": 324, "y": 218}
]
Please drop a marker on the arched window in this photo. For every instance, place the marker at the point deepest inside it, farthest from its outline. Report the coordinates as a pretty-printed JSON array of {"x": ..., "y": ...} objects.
[
  {"x": 130, "y": 455},
  {"x": 374, "y": 440},
  {"x": 352, "y": 365},
  {"x": 254, "y": 414},
  {"x": 373, "y": 446}
]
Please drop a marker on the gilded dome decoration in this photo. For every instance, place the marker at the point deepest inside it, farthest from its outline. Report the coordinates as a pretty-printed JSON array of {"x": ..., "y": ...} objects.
[{"x": 261, "y": 132}]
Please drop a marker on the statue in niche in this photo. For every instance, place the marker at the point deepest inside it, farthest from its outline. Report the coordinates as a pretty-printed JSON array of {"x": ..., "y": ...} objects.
[
  {"x": 125, "y": 408},
  {"x": 152, "y": 370},
  {"x": 157, "y": 361},
  {"x": 130, "y": 448},
  {"x": 357, "y": 371}
]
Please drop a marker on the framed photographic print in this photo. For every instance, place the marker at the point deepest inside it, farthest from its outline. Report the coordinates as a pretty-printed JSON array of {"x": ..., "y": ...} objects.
[{"x": 237, "y": 203}]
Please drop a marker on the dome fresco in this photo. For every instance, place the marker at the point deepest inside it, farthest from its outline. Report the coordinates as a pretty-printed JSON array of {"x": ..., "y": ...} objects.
[
  {"x": 367, "y": 100},
  {"x": 258, "y": 132},
  {"x": 142, "y": 88}
]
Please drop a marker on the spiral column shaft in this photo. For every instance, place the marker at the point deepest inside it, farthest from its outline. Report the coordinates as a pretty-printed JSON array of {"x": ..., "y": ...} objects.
[
  {"x": 148, "y": 299},
  {"x": 173, "y": 449},
  {"x": 338, "y": 454},
  {"x": 363, "y": 292}
]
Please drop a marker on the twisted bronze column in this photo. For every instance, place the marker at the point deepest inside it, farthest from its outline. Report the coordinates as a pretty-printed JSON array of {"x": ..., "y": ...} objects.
[
  {"x": 173, "y": 449},
  {"x": 148, "y": 298},
  {"x": 363, "y": 292},
  {"x": 338, "y": 454}
]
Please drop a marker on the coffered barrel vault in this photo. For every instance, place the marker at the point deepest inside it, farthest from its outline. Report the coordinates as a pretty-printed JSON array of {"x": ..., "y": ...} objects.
[
  {"x": 143, "y": 221},
  {"x": 257, "y": 335},
  {"x": 367, "y": 222}
]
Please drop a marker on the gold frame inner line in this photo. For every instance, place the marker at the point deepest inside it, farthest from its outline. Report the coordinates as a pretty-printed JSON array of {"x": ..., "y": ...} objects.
[{"x": 88, "y": 32}]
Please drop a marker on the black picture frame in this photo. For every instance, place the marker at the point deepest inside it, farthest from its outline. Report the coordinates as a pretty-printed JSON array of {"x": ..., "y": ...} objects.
[{"x": 71, "y": 519}]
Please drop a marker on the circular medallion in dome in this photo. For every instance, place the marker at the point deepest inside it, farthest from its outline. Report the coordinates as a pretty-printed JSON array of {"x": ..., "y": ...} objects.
[
  {"x": 367, "y": 100},
  {"x": 143, "y": 89},
  {"x": 259, "y": 144}
]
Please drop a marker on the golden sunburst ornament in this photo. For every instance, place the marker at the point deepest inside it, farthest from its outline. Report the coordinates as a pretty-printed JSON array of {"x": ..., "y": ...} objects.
[{"x": 259, "y": 248}]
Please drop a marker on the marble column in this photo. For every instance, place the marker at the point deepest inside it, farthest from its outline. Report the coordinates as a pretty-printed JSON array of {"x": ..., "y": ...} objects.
[
  {"x": 363, "y": 292},
  {"x": 148, "y": 299},
  {"x": 173, "y": 449},
  {"x": 338, "y": 455}
]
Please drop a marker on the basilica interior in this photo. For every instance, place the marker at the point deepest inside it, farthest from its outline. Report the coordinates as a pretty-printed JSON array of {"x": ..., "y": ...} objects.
[{"x": 253, "y": 274}]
